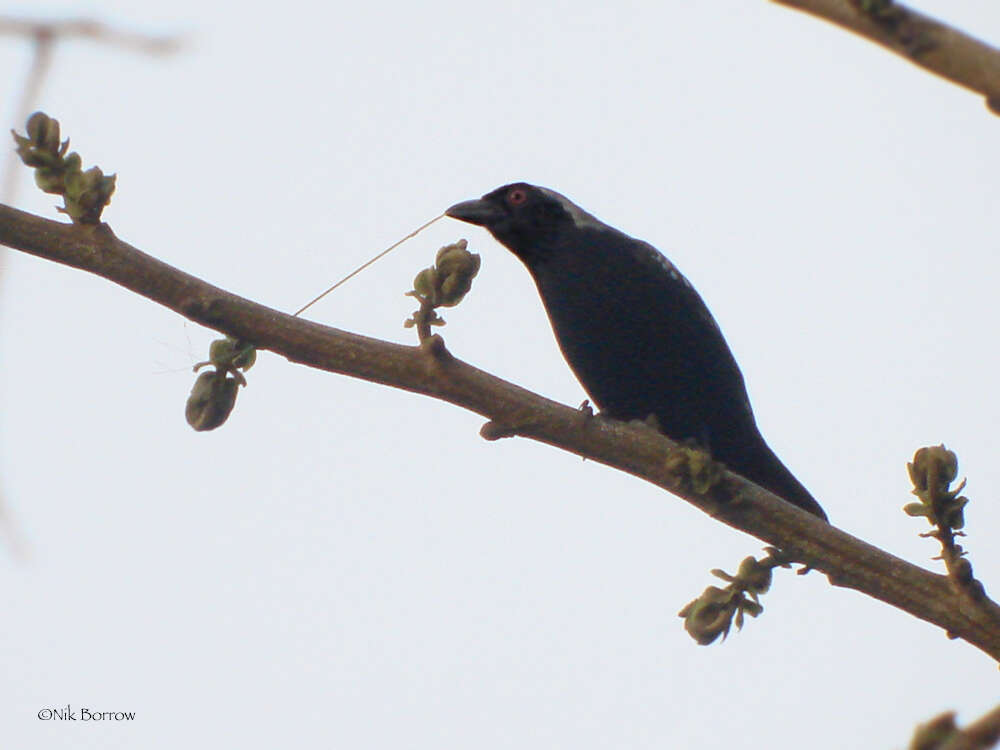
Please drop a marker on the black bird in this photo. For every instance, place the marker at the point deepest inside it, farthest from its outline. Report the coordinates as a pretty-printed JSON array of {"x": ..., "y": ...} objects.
[{"x": 634, "y": 330}]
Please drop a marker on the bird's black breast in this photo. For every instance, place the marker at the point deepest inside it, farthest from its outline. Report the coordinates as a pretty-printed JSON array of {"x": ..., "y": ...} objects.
[{"x": 639, "y": 337}]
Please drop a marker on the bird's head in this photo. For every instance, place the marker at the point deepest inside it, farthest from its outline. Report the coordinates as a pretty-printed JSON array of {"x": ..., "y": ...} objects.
[{"x": 526, "y": 218}]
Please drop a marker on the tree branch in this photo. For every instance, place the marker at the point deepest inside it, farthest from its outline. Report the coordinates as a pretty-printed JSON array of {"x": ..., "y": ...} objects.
[
  {"x": 942, "y": 733},
  {"x": 922, "y": 40},
  {"x": 430, "y": 370},
  {"x": 982, "y": 733}
]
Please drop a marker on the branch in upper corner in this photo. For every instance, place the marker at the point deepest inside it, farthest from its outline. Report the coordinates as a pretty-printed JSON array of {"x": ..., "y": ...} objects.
[{"x": 924, "y": 41}]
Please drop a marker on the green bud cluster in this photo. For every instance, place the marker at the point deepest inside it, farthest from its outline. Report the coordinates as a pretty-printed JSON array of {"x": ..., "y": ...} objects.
[
  {"x": 714, "y": 612},
  {"x": 444, "y": 284},
  {"x": 932, "y": 471},
  {"x": 213, "y": 396},
  {"x": 85, "y": 193},
  {"x": 695, "y": 466}
]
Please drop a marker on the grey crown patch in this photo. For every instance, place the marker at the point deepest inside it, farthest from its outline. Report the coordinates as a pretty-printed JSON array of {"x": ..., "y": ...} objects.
[{"x": 580, "y": 218}]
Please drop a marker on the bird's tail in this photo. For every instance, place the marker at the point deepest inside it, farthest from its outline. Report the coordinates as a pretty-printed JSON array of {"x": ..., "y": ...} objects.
[{"x": 767, "y": 470}]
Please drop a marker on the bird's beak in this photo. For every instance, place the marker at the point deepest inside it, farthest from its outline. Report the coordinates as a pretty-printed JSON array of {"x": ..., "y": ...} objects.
[{"x": 480, "y": 212}]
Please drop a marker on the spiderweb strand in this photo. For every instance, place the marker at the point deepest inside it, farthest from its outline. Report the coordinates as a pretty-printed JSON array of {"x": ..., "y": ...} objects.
[{"x": 362, "y": 267}]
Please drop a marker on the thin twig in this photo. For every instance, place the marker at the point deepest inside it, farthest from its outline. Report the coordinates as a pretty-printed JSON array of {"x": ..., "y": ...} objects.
[
  {"x": 90, "y": 29},
  {"x": 41, "y": 61}
]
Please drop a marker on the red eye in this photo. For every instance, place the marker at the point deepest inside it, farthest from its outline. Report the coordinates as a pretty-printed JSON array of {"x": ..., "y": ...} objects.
[{"x": 517, "y": 196}]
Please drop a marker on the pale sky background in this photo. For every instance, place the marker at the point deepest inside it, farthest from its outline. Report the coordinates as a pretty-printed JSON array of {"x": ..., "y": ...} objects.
[{"x": 345, "y": 565}]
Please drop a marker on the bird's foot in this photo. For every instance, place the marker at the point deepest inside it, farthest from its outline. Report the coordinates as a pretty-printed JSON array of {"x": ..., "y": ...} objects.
[{"x": 586, "y": 409}]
